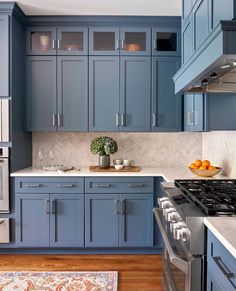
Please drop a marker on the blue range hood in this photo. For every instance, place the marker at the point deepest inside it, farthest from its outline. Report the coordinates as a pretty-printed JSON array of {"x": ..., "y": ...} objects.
[{"x": 212, "y": 68}]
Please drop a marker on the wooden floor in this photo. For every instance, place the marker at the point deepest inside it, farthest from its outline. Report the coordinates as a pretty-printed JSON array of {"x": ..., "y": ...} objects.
[{"x": 135, "y": 272}]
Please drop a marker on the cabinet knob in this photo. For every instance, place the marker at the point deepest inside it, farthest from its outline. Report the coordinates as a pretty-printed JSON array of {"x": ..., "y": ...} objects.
[
  {"x": 117, "y": 44},
  {"x": 117, "y": 119},
  {"x": 53, "y": 44},
  {"x": 54, "y": 120},
  {"x": 154, "y": 45},
  {"x": 122, "y": 44}
]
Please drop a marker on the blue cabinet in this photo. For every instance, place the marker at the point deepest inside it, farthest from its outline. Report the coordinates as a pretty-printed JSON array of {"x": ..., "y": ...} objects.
[
  {"x": 187, "y": 41},
  {"x": 186, "y": 8},
  {"x": 119, "y": 93},
  {"x": 221, "y": 266},
  {"x": 166, "y": 107},
  {"x": 56, "y": 93},
  {"x": 4, "y": 56}
]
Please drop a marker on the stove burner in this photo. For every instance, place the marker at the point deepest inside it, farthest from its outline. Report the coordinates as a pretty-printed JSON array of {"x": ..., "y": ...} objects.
[{"x": 214, "y": 197}]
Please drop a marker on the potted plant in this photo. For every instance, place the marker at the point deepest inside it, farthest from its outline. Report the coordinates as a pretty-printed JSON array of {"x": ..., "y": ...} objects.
[{"x": 104, "y": 146}]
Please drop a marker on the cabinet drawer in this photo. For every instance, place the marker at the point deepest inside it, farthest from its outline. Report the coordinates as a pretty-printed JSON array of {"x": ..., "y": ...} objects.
[
  {"x": 49, "y": 185},
  {"x": 119, "y": 185},
  {"x": 221, "y": 263}
]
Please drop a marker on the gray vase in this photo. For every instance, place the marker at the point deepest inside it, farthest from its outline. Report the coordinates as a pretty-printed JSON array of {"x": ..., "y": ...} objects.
[{"x": 104, "y": 161}]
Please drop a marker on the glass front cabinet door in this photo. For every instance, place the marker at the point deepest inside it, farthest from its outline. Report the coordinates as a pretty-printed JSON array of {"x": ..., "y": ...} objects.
[
  {"x": 166, "y": 41},
  {"x": 41, "y": 41}
]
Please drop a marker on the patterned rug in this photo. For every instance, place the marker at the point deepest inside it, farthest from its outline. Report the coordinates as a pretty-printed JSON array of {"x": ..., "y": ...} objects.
[{"x": 58, "y": 281}]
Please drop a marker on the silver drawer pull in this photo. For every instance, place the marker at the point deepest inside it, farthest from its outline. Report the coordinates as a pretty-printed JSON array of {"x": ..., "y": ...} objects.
[
  {"x": 53, "y": 209},
  {"x": 103, "y": 185},
  {"x": 221, "y": 266},
  {"x": 136, "y": 185},
  {"x": 32, "y": 185},
  {"x": 122, "y": 208},
  {"x": 66, "y": 185}
]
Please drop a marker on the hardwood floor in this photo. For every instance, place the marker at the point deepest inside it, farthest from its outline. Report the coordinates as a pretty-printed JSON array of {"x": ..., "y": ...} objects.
[{"x": 135, "y": 272}]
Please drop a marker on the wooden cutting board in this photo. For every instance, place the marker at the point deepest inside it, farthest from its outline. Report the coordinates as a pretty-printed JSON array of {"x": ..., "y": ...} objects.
[{"x": 112, "y": 169}]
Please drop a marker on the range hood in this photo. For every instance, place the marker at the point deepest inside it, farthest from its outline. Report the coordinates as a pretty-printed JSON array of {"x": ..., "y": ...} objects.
[{"x": 212, "y": 68}]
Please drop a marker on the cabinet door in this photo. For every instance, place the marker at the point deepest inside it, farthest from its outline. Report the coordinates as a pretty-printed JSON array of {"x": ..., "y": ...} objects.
[
  {"x": 67, "y": 220},
  {"x": 187, "y": 41},
  {"x": 41, "y": 40},
  {"x": 135, "y": 74},
  {"x": 41, "y": 93},
  {"x": 104, "y": 93},
  {"x": 32, "y": 220},
  {"x": 72, "y": 41},
  {"x": 72, "y": 104},
  {"x": 104, "y": 41},
  {"x": 136, "y": 220},
  {"x": 201, "y": 23},
  {"x": 166, "y": 41},
  {"x": 166, "y": 105},
  {"x": 4, "y": 56},
  {"x": 101, "y": 220},
  {"x": 135, "y": 41}
]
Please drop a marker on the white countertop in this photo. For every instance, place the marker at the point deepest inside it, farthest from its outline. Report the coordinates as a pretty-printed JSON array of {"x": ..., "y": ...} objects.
[
  {"x": 224, "y": 228},
  {"x": 168, "y": 173}
]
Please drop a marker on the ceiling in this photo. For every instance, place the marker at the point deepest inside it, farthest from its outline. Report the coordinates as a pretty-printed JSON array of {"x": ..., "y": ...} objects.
[{"x": 100, "y": 7}]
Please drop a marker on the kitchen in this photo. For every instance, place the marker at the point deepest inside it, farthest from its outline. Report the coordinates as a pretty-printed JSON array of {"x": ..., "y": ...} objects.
[{"x": 158, "y": 83}]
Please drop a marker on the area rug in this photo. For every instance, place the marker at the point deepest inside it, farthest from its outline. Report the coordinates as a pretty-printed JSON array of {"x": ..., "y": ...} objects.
[{"x": 58, "y": 281}]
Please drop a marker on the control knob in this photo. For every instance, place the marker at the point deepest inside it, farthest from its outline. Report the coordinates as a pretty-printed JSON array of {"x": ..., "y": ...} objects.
[
  {"x": 166, "y": 211},
  {"x": 181, "y": 233},
  {"x": 173, "y": 216},
  {"x": 164, "y": 202}
]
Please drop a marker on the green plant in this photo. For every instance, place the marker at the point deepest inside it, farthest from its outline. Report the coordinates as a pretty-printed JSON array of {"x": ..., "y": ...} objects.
[{"x": 103, "y": 145}]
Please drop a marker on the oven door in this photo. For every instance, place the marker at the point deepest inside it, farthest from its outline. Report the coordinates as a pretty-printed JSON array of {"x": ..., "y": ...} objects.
[
  {"x": 181, "y": 270},
  {"x": 4, "y": 185}
]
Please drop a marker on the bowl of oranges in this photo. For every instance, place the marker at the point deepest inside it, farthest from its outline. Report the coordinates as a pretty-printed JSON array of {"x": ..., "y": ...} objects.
[{"x": 204, "y": 168}]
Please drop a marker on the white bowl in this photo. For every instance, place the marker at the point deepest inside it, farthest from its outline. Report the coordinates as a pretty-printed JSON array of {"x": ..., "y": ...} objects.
[{"x": 118, "y": 167}]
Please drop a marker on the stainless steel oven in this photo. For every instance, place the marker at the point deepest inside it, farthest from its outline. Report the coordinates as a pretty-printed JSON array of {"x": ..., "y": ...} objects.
[{"x": 4, "y": 180}]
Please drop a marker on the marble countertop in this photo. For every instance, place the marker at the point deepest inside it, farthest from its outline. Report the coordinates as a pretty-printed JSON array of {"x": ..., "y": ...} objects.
[
  {"x": 168, "y": 173},
  {"x": 224, "y": 228}
]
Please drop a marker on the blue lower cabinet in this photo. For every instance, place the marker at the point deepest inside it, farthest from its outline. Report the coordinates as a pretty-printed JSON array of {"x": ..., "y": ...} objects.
[
  {"x": 118, "y": 220},
  {"x": 32, "y": 220},
  {"x": 67, "y": 220},
  {"x": 44, "y": 220},
  {"x": 136, "y": 220},
  {"x": 101, "y": 220}
]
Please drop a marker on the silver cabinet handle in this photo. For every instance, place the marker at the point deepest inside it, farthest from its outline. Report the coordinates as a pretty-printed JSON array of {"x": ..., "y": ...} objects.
[
  {"x": 154, "y": 120},
  {"x": 66, "y": 185},
  {"x": 220, "y": 264},
  {"x": 122, "y": 119},
  {"x": 117, "y": 206},
  {"x": 136, "y": 185},
  {"x": 154, "y": 45},
  {"x": 53, "y": 44},
  {"x": 117, "y": 44},
  {"x": 122, "y": 44},
  {"x": 58, "y": 44},
  {"x": 59, "y": 119},
  {"x": 54, "y": 120},
  {"x": 190, "y": 118},
  {"x": 122, "y": 208},
  {"x": 117, "y": 119},
  {"x": 103, "y": 185},
  {"x": 53, "y": 209},
  {"x": 32, "y": 185},
  {"x": 47, "y": 206}
]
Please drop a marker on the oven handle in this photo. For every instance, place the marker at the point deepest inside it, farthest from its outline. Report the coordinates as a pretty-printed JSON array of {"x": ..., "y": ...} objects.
[{"x": 181, "y": 264}]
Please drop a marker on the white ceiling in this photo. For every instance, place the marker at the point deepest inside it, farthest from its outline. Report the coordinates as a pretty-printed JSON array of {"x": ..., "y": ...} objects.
[{"x": 100, "y": 7}]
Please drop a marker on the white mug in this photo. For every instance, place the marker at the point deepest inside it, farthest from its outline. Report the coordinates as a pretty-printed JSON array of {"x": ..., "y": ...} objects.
[{"x": 128, "y": 163}]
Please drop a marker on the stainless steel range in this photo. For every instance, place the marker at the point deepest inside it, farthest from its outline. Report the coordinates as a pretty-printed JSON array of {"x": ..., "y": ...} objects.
[{"x": 180, "y": 219}]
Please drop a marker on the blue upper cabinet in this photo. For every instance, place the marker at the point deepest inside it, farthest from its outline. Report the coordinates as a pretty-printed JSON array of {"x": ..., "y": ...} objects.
[
  {"x": 41, "y": 40},
  {"x": 187, "y": 41},
  {"x": 186, "y": 6},
  {"x": 61, "y": 41},
  {"x": 220, "y": 10},
  {"x": 41, "y": 93},
  {"x": 166, "y": 107},
  {"x": 166, "y": 41},
  {"x": 135, "y": 75},
  {"x": 4, "y": 56},
  {"x": 135, "y": 41},
  {"x": 104, "y": 41},
  {"x": 119, "y": 41},
  {"x": 104, "y": 93},
  {"x": 72, "y": 93}
]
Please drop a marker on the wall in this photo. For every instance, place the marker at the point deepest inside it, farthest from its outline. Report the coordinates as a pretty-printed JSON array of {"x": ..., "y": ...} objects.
[
  {"x": 220, "y": 149},
  {"x": 147, "y": 149}
]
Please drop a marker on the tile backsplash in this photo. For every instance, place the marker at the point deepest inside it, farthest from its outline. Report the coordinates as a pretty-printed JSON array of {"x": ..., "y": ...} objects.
[{"x": 147, "y": 149}]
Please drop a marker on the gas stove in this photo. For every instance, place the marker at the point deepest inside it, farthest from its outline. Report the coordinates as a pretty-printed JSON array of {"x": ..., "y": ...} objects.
[{"x": 213, "y": 197}]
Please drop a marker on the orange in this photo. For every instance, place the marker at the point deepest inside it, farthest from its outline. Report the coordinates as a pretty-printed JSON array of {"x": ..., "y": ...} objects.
[
  {"x": 211, "y": 168},
  {"x": 203, "y": 168},
  {"x": 198, "y": 163},
  {"x": 193, "y": 166},
  {"x": 206, "y": 163}
]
